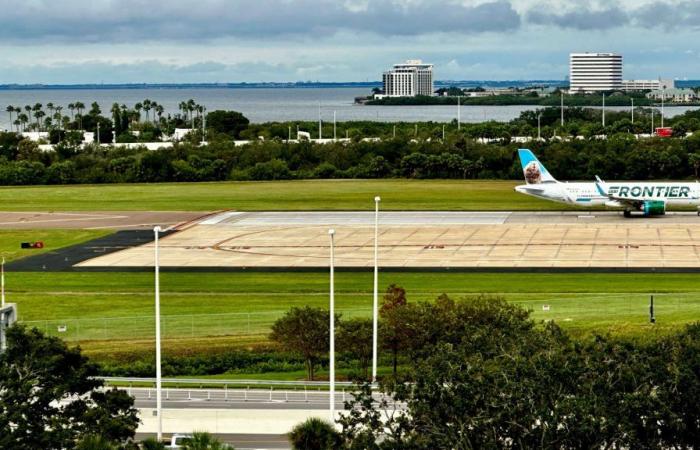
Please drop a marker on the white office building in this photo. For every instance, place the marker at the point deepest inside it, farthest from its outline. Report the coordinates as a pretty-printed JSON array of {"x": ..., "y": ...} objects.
[
  {"x": 647, "y": 85},
  {"x": 592, "y": 72},
  {"x": 409, "y": 79}
]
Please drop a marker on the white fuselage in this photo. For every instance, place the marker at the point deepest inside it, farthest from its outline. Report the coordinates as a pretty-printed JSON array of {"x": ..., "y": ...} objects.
[{"x": 589, "y": 194}]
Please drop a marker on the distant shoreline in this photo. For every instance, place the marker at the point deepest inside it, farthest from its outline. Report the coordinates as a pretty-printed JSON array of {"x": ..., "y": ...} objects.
[{"x": 262, "y": 85}]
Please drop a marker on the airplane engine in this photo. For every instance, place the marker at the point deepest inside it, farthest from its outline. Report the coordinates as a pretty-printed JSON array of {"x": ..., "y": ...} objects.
[{"x": 653, "y": 208}]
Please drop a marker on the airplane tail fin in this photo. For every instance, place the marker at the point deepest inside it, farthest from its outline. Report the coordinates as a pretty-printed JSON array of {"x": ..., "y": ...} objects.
[{"x": 533, "y": 170}]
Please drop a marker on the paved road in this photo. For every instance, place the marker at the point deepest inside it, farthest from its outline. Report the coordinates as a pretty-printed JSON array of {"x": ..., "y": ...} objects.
[{"x": 237, "y": 399}]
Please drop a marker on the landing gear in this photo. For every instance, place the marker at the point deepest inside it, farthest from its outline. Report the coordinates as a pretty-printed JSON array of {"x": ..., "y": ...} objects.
[{"x": 628, "y": 213}]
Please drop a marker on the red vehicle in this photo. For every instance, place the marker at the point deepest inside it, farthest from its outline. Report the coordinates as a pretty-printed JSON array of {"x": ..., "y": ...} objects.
[{"x": 664, "y": 132}]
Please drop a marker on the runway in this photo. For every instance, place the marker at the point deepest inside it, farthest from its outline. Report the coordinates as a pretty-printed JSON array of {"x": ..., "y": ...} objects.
[{"x": 435, "y": 239}]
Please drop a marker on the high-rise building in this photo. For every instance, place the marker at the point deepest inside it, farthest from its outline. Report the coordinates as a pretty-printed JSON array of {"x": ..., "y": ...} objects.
[
  {"x": 591, "y": 72},
  {"x": 408, "y": 79}
]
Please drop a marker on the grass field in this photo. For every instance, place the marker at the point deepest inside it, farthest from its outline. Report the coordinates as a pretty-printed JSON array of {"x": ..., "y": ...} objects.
[
  {"x": 113, "y": 312},
  {"x": 10, "y": 240},
  {"x": 278, "y": 195}
]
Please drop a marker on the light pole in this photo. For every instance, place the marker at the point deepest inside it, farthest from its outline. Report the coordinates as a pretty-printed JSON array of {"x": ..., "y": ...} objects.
[
  {"x": 2, "y": 282},
  {"x": 652, "y": 122},
  {"x": 320, "y": 131},
  {"x": 632, "y": 110},
  {"x": 331, "y": 233},
  {"x": 603, "y": 112},
  {"x": 334, "y": 138},
  {"x": 375, "y": 291},
  {"x": 459, "y": 112},
  {"x": 539, "y": 133},
  {"x": 562, "y": 108},
  {"x": 156, "y": 231},
  {"x": 663, "y": 97}
]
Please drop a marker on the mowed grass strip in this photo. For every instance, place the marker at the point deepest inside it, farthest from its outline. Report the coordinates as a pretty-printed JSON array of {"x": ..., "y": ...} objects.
[
  {"x": 397, "y": 194},
  {"x": 118, "y": 307},
  {"x": 11, "y": 240}
]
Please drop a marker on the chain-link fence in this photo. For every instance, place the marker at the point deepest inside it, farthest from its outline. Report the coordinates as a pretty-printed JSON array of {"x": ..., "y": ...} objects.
[
  {"x": 172, "y": 326},
  {"x": 593, "y": 311}
]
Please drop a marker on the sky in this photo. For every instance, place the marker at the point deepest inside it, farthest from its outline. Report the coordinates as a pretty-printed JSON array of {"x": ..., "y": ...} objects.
[{"x": 185, "y": 41}]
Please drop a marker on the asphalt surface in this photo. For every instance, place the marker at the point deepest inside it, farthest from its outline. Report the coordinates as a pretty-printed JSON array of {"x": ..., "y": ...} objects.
[
  {"x": 118, "y": 220},
  {"x": 64, "y": 258},
  {"x": 238, "y": 399}
]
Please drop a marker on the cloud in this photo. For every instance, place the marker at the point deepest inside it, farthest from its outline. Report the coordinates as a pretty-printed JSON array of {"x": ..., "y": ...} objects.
[
  {"x": 580, "y": 18},
  {"x": 182, "y": 20}
]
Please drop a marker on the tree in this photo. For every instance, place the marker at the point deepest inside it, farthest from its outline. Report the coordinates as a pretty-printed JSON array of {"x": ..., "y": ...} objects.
[
  {"x": 204, "y": 441},
  {"x": 314, "y": 434},
  {"x": 230, "y": 123},
  {"x": 355, "y": 337},
  {"x": 304, "y": 331},
  {"x": 395, "y": 327},
  {"x": 49, "y": 397}
]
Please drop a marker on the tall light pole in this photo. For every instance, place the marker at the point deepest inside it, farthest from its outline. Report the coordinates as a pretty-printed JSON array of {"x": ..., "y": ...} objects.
[
  {"x": 320, "y": 131},
  {"x": 652, "y": 121},
  {"x": 603, "y": 110},
  {"x": 632, "y": 110},
  {"x": 663, "y": 97},
  {"x": 539, "y": 134},
  {"x": 334, "y": 135},
  {"x": 159, "y": 411},
  {"x": 331, "y": 233},
  {"x": 2, "y": 282},
  {"x": 562, "y": 108},
  {"x": 375, "y": 291},
  {"x": 459, "y": 112}
]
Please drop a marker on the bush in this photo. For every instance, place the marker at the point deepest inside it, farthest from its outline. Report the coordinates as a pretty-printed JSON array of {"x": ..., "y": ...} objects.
[{"x": 314, "y": 434}]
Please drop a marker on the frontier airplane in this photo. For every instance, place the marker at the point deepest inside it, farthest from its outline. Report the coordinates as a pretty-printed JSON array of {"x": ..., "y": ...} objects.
[{"x": 650, "y": 198}]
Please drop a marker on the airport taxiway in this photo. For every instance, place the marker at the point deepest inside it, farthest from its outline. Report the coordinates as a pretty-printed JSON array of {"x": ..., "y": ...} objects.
[{"x": 431, "y": 239}]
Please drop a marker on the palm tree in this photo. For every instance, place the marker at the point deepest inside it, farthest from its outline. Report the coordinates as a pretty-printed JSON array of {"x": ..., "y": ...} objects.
[
  {"x": 71, "y": 106},
  {"x": 314, "y": 433},
  {"x": 204, "y": 441},
  {"x": 58, "y": 116},
  {"x": 191, "y": 106},
  {"x": 38, "y": 114},
  {"x": 10, "y": 109},
  {"x": 51, "y": 108},
  {"x": 24, "y": 119},
  {"x": 138, "y": 107},
  {"x": 147, "y": 108},
  {"x": 154, "y": 107},
  {"x": 159, "y": 111},
  {"x": 183, "y": 107},
  {"x": 17, "y": 124},
  {"x": 80, "y": 106}
]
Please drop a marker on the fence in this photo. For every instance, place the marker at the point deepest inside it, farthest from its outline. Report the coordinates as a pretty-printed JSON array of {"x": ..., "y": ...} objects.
[
  {"x": 172, "y": 326},
  {"x": 592, "y": 310}
]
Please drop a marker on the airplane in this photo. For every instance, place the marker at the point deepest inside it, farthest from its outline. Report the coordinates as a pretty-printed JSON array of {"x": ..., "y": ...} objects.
[{"x": 649, "y": 198}]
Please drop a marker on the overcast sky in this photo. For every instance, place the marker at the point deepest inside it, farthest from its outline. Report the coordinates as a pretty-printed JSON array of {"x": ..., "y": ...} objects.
[{"x": 152, "y": 41}]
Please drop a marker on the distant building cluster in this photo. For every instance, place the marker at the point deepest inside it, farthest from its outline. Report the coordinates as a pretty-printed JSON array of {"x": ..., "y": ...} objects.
[{"x": 408, "y": 79}]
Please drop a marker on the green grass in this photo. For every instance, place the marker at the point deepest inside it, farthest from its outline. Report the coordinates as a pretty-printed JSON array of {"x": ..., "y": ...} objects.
[
  {"x": 10, "y": 240},
  {"x": 113, "y": 312},
  {"x": 278, "y": 195}
]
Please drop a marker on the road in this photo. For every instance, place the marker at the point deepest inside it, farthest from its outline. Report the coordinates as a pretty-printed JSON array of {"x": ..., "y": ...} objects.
[{"x": 242, "y": 441}]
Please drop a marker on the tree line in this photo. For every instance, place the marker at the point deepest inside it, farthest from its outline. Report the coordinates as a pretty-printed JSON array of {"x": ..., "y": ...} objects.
[
  {"x": 484, "y": 374},
  {"x": 422, "y": 151}
]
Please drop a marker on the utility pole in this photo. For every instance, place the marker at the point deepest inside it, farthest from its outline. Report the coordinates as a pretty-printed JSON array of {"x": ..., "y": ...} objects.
[
  {"x": 331, "y": 233},
  {"x": 632, "y": 110},
  {"x": 652, "y": 121},
  {"x": 603, "y": 112},
  {"x": 459, "y": 112},
  {"x": 539, "y": 134},
  {"x": 334, "y": 136},
  {"x": 443, "y": 132},
  {"x": 98, "y": 133},
  {"x": 159, "y": 409},
  {"x": 375, "y": 290},
  {"x": 320, "y": 131},
  {"x": 663, "y": 97},
  {"x": 562, "y": 108}
]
